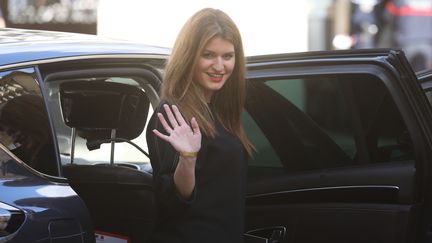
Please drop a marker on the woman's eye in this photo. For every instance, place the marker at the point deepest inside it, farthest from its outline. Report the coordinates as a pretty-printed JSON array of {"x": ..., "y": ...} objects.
[
  {"x": 228, "y": 56},
  {"x": 207, "y": 55}
]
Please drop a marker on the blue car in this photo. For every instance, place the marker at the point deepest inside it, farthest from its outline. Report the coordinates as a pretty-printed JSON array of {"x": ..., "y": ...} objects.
[{"x": 343, "y": 143}]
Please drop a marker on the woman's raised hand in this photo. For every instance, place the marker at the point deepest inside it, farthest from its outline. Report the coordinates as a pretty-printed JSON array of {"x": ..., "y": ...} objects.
[{"x": 181, "y": 136}]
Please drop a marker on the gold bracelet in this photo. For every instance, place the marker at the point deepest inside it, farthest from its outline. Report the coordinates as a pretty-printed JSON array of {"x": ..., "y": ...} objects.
[{"x": 189, "y": 154}]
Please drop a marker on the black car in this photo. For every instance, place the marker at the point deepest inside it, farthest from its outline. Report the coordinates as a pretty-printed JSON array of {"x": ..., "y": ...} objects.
[{"x": 343, "y": 143}]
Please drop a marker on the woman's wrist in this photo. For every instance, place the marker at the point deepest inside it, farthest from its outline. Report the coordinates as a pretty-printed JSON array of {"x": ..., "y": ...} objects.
[{"x": 187, "y": 154}]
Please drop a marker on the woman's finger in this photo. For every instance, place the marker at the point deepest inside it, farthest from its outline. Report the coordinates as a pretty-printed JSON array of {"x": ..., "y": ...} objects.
[
  {"x": 162, "y": 136},
  {"x": 178, "y": 115},
  {"x": 195, "y": 127},
  {"x": 170, "y": 116},
  {"x": 164, "y": 123}
]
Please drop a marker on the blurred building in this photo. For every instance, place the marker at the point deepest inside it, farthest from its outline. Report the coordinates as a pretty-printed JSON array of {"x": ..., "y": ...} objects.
[
  {"x": 266, "y": 27},
  {"x": 401, "y": 24},
  {"x": 62, "y": 15},
  {"x": 409, "y": 24}
]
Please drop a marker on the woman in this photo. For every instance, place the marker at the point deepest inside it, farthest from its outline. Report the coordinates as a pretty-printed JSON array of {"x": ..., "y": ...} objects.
[{"x": 197, "y": 145}]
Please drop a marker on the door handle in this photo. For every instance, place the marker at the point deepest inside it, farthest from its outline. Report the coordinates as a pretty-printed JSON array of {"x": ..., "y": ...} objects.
[{"x": 273, "y": 234}]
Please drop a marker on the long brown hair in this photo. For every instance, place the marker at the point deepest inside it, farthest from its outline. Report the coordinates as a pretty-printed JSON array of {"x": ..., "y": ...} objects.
[{"x": 179, "y": 87}]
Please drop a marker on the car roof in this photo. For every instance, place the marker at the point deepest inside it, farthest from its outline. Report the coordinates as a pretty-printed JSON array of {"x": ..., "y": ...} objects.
[{"x": 22, "y": 45}]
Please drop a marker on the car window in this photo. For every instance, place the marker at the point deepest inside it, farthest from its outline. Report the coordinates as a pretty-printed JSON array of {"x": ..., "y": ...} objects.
[
  {"x": 261, "y": 144},
  {"x": 124, "y": 153},
  {"x": 323, "y": 122},
  {"x": 24, "y": 123}
]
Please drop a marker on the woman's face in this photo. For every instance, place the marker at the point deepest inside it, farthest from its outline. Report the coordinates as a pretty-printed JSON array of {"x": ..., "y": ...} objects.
[{"x": 215, "y": 65}]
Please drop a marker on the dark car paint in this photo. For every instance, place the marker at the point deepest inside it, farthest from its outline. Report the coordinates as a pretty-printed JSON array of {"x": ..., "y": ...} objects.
[
  {"x": 52, "y": 209},
  {"x": 25, "y": 46},
  {"x": 393, "y": 69}
]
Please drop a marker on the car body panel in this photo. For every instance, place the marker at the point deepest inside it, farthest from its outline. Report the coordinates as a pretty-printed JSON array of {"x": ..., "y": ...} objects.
[
  {"x": 46, "y": 204},
  {"x": 24, "y": 46}
]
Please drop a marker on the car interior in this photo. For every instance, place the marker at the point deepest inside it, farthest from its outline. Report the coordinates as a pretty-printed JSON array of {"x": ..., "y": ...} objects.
[
  {"x": 103, "y": 111},
  {"x": 24, "y": 122}
]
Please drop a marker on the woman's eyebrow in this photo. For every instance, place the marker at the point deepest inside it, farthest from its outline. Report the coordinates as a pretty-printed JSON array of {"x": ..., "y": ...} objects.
[{"x": 228, "y": 52}]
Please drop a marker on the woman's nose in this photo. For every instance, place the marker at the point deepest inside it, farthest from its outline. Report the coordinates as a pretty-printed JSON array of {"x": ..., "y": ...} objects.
[{"x": 218, "y": 64}]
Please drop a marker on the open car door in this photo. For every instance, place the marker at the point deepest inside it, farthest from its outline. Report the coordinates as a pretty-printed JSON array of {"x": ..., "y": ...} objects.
[
  {"x": 425, "y": 79},
  {"x": 100, "y": 109},
  {"x": 343, "y": 146}
]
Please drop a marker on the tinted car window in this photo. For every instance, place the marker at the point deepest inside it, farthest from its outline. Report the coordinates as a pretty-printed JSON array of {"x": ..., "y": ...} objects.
[
  {"x": 324, "y": 122},
  {"x": 24, "y": 123}
]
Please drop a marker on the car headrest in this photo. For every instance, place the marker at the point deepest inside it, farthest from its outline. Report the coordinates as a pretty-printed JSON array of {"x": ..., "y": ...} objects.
[{"x": 96, "y": 108}]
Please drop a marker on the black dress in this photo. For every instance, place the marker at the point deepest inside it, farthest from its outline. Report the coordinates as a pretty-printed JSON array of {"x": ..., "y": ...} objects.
[{"x": 215, "y": 212}]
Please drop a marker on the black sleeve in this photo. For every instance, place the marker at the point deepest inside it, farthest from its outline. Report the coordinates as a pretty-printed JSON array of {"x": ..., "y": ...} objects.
[{"x": 164, "y": 159}]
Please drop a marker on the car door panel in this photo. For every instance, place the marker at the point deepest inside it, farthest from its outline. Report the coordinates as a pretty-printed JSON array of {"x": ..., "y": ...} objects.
[
  {"x": 336, "y": 141},
  {"x": 392, "y": 183},
  {"x": 349, "y": 222},
  {"x": 336, "y": 213}
]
